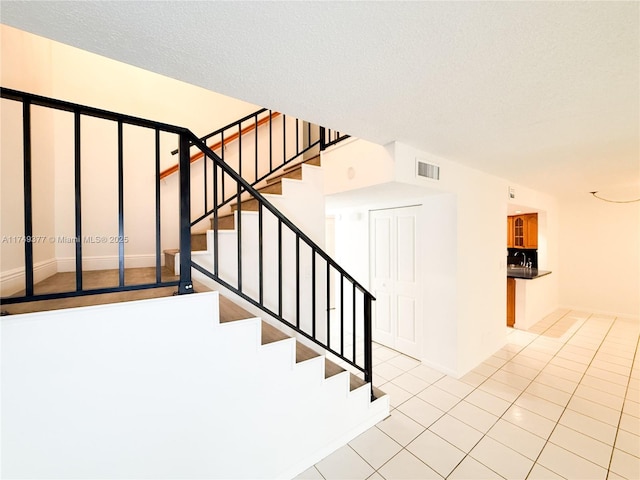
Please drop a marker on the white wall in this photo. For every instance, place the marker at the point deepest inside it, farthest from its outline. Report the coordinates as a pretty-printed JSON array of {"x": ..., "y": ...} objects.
[
  {"x": 465, "y": 246},
  {"x": 143, "y": 390},
  {"x": 40, "y": 66},
  {"x": 600, "y": 256},
  {"x": 23, "y": 70}
]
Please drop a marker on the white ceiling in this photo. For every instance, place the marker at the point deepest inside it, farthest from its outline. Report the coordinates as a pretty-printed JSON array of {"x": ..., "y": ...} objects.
[{"x": 546, "y": 94}]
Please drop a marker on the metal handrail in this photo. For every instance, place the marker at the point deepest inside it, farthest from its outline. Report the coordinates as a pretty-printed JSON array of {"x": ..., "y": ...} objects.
[
  {"x": 28, "y": 100},
  {"x": 247, "y": 187},
  {"x": 229, "y": 126},
  {"x": 243, "y": 186},
  {"x": 186, "y": 140}
]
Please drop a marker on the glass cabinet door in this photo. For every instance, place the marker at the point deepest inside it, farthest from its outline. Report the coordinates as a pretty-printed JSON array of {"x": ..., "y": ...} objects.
[{"x": 518, "y": 227}]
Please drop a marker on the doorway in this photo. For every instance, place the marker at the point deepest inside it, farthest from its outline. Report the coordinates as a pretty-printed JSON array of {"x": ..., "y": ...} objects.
[{"x": 395, "y": 282}]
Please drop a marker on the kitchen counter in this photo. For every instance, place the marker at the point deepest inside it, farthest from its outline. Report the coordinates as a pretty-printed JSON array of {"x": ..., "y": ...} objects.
[{"x": 526, "y": 273}]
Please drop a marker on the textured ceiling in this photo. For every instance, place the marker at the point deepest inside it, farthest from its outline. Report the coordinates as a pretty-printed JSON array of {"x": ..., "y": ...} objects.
[{"x": 546, "y": 94}]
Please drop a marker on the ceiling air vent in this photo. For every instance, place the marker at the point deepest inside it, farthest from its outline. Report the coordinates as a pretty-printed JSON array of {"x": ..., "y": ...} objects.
[{"x": 428, "y": 170}]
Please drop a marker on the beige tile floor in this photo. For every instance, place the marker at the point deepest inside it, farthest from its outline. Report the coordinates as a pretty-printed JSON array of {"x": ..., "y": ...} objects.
[{"x": 561, "y": 400}]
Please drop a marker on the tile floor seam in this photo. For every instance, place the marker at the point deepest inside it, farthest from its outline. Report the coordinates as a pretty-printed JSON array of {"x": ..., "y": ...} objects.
[
  {"x": 484, "y": 434},
  {"x": 615, "y": 438},
  {"x": 398, "y": 453},
  {"x": 364, "y": 459},
  {"x": 427, "y": 428},
  {"x": 320, "y": 473},
  {"x": 524, "y": 390},
  {"x": 584, "y": 329},
  {"x": 513, "y": 403},
  {"x": 467, "y": 454},
  {"x": 566, "y": 406}
]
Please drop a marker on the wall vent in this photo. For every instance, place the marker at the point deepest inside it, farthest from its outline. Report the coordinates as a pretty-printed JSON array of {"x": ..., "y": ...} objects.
[{"x": 428, "y": 170}]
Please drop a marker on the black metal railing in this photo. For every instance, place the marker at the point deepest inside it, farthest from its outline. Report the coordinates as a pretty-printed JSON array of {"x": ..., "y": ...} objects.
[
  {"x": 261, "y": 145},
  {"x": 267, "y": 260},
  {"x": 290, "y": 277},
  {"x": 81, "y": 236},
  {"x": 329, "y": 137}
]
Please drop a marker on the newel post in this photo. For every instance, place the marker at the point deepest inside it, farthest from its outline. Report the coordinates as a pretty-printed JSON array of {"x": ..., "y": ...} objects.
[
  {"x": 368, "y": 343},
  {"x": 185, "y": 217}
]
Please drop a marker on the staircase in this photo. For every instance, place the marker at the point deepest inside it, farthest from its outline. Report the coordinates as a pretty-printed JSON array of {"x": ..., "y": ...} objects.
[
  {"x": 263, "y": 251},
  {"x": 271, "y": 186}
]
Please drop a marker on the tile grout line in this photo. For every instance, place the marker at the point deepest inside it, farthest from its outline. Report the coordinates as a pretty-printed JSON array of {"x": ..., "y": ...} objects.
[
  {"x": 520, "y": 351},
  {"x": 537, "y": 336},
  {"x": 615, "y": 439},
  {"x": 466, "y": 454},
  {"x": 572, "y": 395}
]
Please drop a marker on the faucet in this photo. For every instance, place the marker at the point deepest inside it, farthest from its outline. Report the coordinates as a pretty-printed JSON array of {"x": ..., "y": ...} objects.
[{"x": 524, "y": 262}]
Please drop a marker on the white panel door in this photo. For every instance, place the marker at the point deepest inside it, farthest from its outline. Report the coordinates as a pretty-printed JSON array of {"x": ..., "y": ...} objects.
[
  {"x": 395, "y": 280},
  {"x": 382, "y": 283}
]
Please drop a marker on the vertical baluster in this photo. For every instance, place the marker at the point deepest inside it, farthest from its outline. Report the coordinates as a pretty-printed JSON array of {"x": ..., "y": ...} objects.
[
  {"x": 297, "y": 138},
  {"x": 260, "y": 255},
  {"x": 215, "y": 215},
  {"x": 239, "y": 150},
  {"x": 206, "y": 183},
  {"x": 353, "y": 313},
  {"x": 78, "y": 199},
  {"x": 313, "y": 293},
  {"x": 368, "y": 354},
  {"x": 239, "y": 235},
  {"x": 158, "y": 230},
  {"x": 28, "y": 197},
  {"x": 255, "y": 130},
  {"x": 297, "y": 281},
  {"x": 341, "y": 314},
  {"x": 328, "y": 304},
  {"x": 120, "y": 205},
  {"x": 280, "y": 268},
  {"x": 270, "y": 141},
  {"x": 284, "y": 139},
  {"x": 222, "y": 149}
]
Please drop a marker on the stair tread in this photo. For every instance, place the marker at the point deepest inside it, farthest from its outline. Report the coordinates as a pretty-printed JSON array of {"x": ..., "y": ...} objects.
[
  {"x": 315, "y": 161},
  {"x": 230, "y": 311},
  {"x": 293, "y": 174},
  {"x": 250, "y": 204}
]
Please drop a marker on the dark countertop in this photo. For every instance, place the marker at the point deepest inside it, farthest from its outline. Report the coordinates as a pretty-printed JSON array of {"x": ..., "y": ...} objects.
[{"x": 525, "y": 273}]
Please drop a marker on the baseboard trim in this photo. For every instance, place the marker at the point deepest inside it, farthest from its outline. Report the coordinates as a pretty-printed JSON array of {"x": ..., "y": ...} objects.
[
  {"x": 440, "y": 368},
  {"x": 12, "y": 281},
  {"x": 594, "y": 311},
  {"x": 107, "y": 262}
]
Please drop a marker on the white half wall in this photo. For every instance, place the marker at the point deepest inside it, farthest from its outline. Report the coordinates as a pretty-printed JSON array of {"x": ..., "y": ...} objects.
[{"x": 160, "y": 389}]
